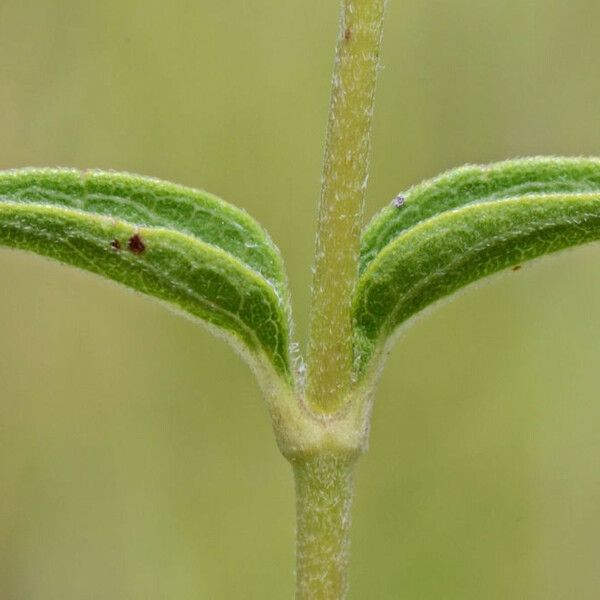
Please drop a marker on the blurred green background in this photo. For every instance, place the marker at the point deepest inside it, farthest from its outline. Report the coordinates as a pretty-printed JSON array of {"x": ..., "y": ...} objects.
[{"x": 136, "y": 458}]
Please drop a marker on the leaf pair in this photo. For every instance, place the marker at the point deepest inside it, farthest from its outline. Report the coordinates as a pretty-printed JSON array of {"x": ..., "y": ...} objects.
[{"x": 213, "y": 262}]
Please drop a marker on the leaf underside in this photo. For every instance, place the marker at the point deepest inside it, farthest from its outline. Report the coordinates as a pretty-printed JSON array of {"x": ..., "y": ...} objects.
[
  {"x": 182, "y": 246},
  {"x": 463, "y": 226}
]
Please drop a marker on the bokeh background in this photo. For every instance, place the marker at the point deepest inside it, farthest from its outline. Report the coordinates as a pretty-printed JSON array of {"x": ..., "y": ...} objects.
[{"x": 136, "y": 457}]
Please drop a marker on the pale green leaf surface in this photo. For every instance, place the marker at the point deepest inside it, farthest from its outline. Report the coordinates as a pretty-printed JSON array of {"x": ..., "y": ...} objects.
[
  {"x": 477, "y": 230},
  {"x": 201, "y": 255}
]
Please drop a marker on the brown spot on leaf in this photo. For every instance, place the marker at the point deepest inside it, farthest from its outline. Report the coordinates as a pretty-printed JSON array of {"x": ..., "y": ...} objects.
[
  {"x": 135, "y": 244},
  {"x": 517, "y": 267},
  {"x": 115, "y": 245},
  {"x": 348, "y": 34}
]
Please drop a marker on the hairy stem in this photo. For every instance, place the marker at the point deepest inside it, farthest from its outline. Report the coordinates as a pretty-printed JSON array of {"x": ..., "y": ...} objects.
[
  {"x": 345, "y": 171},
  {"x": 324, "y": 489}
]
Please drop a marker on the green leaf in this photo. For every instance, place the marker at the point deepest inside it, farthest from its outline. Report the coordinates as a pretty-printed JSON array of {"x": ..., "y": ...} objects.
[
  {"x": 463, "y": 226},
  {"x": 182, "y": 246}
]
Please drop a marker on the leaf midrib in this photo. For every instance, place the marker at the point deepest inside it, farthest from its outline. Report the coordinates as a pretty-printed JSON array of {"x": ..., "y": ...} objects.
[
  {"x": 433, "y": 221},
  {"x": 170, "y": 192},
  {"x": 581, "y": 178}
]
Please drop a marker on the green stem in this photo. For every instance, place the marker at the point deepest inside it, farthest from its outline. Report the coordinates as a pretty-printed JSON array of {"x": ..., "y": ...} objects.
[
  {"x": 345, "y": 171},
  {"x": 324, "y": 489}
]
